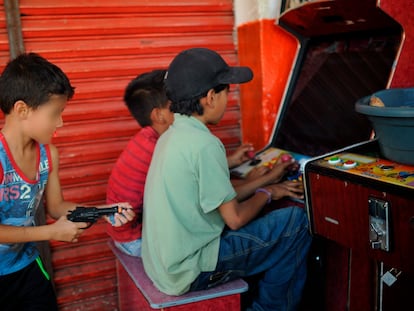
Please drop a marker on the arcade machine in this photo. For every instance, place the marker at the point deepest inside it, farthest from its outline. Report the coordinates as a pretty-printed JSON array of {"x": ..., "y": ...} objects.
[{"x": 363, "y": 227}]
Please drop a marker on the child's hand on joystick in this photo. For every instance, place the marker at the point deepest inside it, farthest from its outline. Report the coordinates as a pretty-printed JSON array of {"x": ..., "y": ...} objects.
[
  {"x": 252, "y": 155},
  {"x": 286, "y": 157}
]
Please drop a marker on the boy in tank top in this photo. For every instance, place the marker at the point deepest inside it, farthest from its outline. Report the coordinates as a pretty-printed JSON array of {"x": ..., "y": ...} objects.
[{"x": 33, "y": 95}]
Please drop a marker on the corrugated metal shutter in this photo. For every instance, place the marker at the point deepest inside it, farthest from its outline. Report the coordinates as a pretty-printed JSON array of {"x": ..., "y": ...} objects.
[
  {"x": 4, "y": 42},
  {"x": 102, "y": 45}
]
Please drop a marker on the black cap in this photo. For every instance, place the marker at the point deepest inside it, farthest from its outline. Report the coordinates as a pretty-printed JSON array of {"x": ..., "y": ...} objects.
[{"x": 195, "y": 71}]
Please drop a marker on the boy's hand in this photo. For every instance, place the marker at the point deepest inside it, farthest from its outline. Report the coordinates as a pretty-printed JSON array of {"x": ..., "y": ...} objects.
[
  {"x": 289, "y": 188},
  {"x": 239, "y": 156},
  {"x": 127, "y": 214},
  {"x": 67, "y": 231},
  {"x": 280, "y": 169},
  {"x": 257, "y": 172}
]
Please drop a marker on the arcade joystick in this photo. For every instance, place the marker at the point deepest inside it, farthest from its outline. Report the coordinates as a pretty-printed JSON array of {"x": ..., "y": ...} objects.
[
  {"x": 286, "y": 157},
  {"x": 250, "y": 154},
  {"x": 254, "y": 160},
  {"x": 293, "y": 168}
]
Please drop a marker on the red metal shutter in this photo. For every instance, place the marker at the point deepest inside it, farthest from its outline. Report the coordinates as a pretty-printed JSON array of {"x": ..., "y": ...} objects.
[
  {"x": 102, "y": 45},
  {"x": 4, "y": 41}
]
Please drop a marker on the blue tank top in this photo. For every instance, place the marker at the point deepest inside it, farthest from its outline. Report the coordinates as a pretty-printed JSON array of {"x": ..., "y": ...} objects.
[{"x": 20, "y": 198}]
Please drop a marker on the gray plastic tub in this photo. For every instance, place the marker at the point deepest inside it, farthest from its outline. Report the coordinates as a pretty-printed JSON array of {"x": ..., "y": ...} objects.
[{"x": 394, "y": 123}]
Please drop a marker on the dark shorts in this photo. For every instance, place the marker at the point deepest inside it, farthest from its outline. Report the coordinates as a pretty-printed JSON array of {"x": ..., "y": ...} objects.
[{"x": 27, "y": 289}]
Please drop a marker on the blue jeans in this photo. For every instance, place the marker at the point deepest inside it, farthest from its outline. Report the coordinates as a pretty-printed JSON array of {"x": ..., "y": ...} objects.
[
  {"x": 276, "y": 246},
  {"x": 132, "y": 248}
]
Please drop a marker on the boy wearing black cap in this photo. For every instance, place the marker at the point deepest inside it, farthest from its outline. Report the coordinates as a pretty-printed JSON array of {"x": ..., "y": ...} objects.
[{"x": 195, "y": 233}]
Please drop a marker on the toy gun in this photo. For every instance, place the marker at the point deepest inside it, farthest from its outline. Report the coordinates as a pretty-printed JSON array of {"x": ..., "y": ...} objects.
[{"x": 91, "y": 214}]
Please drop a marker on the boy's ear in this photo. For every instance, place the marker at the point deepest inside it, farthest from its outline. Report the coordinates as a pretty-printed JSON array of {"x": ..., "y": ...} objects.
[
  {"x": 21, "y": 108},
  {"x": 209, "y": 99},
  {"x": 156, "y": 116}
]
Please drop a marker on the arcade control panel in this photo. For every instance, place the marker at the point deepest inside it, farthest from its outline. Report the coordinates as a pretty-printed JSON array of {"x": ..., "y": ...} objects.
[
  {"x": 268, "y": 158},
  {"x": 363, "y": 202},
  {"x": 371, "y": 167}
]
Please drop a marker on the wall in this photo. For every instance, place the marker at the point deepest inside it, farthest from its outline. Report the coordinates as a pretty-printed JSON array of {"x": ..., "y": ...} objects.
[
  {"x": 102, "y": 45},
  {"x": 403, "y": 12},
  {"x": 260, "y": 47}
]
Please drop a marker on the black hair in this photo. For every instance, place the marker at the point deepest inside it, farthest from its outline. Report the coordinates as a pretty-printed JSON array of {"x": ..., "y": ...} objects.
[
  {"x": 188, "y": 107},
  {"x": 32, "y": 79},
  {"x": 144, "y": 93}
]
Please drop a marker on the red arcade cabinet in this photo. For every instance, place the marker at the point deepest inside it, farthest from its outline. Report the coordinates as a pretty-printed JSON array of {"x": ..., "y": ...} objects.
[{"x": 363, "y": 257}]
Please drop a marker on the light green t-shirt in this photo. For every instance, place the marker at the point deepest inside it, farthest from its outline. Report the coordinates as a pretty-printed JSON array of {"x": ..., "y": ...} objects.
[{"x": 187, "y": 181}]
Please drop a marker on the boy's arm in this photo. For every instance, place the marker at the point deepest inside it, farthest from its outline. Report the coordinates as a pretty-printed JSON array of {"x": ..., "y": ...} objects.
[
  {"x": 236, "y": 214},
  {"x": 56, "y": 205},
  {"x": 239, "y": 156},
  {"x": 246, "y": 188},
  {"x": 61, "y": 230}
]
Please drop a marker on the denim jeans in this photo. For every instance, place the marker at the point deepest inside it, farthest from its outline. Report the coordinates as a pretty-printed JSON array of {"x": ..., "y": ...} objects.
[
  {"x": 132, "y": 248},
  {"x": 275, "y": 246}
]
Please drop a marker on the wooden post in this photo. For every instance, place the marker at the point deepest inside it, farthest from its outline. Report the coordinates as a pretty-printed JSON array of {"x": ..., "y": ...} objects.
[{"x": 14, "y": 28}]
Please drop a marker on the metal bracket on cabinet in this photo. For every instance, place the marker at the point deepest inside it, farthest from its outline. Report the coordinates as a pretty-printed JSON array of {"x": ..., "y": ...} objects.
[{"x": 379, "y": 220}]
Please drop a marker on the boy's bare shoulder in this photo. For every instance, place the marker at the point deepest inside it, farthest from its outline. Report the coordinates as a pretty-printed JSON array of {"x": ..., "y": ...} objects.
[{"x": 54, "y": 154}]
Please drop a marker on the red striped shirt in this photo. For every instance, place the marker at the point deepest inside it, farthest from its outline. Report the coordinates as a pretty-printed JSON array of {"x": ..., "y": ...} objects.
[{"x": 127, "y": 180}]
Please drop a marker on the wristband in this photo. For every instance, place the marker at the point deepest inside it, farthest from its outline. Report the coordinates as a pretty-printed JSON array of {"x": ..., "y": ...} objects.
[{"x": 269, "y": 194}]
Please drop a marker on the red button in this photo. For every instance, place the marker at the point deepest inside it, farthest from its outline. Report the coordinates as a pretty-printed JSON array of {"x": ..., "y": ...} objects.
[{"x": 349, "y": 164}]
